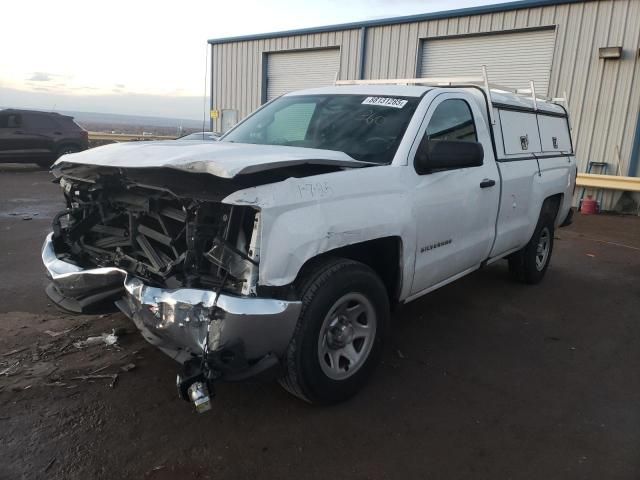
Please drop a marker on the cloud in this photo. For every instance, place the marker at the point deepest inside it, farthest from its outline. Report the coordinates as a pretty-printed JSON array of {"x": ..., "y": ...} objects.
[
  {"x": 40, "y": 77},
  {"x": 120, "y": 85}
]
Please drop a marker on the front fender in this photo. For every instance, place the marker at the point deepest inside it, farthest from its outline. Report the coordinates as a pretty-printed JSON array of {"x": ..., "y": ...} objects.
[{"x": 305, "y": 217}]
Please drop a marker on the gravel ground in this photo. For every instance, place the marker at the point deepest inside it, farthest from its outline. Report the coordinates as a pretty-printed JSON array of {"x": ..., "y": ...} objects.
[{"x": 483, "y": 378}]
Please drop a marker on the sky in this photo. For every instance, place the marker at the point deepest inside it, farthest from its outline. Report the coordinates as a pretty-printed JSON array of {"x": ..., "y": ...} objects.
[{"x": 144, "y": 57}]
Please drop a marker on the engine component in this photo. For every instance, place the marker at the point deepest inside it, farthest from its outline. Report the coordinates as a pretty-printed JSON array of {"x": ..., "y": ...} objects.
[{"x": 169, "y": 241}]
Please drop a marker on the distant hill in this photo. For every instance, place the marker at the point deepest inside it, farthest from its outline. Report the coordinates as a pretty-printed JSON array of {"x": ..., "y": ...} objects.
[
  {"x": 129, "y": 120},
  {"x": 136, "y": 124},
  {"x": 116, "y": 119}
]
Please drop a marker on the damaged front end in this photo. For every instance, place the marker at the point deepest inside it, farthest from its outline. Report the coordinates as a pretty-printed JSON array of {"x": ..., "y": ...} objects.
[
  {"x": 166, "y": 239},
  {"x": 178, "y": 261}
]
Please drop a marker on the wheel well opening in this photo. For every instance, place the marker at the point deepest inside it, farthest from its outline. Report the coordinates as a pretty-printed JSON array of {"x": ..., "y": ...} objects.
[
  {"x": 551, "y": 205},
  {"x": 382, "y": 255}
]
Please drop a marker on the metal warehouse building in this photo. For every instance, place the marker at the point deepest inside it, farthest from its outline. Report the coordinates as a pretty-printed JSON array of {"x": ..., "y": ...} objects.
[{"x": 558, "y": 44}]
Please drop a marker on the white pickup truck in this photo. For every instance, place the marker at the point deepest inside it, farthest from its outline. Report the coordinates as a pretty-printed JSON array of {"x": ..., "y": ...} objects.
[{"x": 282, "y": 248}]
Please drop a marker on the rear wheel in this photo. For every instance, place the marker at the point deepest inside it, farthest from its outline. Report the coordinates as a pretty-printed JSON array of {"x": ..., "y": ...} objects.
[
  {"x": 338, "y": 338},
  {"x": 530, "y": 264}
]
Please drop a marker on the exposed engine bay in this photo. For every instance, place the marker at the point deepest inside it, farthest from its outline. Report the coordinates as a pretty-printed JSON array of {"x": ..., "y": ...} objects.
[
  {"x": 146, "y": 224},
  {"x": 175, "y": 245}
]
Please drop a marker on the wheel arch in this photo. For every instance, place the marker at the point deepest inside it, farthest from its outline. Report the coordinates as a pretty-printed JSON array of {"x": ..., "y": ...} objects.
[
  {"x": 548, "y": 204},
  {"x": 551, "y": 205},
  {"x": 383, "y": 255}
]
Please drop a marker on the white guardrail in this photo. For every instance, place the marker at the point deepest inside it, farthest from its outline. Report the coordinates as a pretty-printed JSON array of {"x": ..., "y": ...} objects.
[{"x": 608, "y": 182}]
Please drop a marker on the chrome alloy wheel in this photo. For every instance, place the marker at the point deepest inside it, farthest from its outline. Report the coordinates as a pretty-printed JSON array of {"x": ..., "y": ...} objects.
[
  {"x": 346, "y": 336},
  {"x": 542, "y": 250}
]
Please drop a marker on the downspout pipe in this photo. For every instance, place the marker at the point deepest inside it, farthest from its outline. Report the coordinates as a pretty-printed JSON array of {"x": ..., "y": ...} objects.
[
  {"x": 211, "y": 120},
  {"x": 362, "y": 48},
  {"x": 635, "y": 152}
]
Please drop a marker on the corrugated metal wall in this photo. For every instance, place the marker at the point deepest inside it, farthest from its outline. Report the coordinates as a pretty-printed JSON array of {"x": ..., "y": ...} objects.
[
  {"x": 237, "y": 68},
  {"x": 604, "y": 95}
]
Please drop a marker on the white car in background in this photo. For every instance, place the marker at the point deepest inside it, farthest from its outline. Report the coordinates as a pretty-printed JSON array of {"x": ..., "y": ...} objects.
[{"x": 200, "y": 136}]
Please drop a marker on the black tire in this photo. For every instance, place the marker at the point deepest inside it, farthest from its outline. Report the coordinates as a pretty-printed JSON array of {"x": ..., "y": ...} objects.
[
  {"x": 322, "y": 288},
  {"x": 526, "y": 265},
  {"x": 45, "y": 163}
]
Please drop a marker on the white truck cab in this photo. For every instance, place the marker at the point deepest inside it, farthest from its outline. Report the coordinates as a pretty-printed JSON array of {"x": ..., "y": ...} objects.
[{"x": 282, "y": 247}]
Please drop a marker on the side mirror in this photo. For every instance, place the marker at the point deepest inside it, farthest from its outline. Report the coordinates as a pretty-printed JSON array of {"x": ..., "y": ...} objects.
[{"x": 447, "y": 154}]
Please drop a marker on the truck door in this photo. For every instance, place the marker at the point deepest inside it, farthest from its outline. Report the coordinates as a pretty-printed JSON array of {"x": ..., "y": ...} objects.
[{"x": 455, "y": 208}]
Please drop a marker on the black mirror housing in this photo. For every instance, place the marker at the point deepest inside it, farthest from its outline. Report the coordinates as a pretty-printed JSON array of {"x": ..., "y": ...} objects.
[{"x": 446, "y": 155}]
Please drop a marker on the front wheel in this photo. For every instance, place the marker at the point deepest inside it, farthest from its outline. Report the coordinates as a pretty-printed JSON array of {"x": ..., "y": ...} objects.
[
  {"x": 530, "y": 264},
  {"x": 338, "y": 338}
]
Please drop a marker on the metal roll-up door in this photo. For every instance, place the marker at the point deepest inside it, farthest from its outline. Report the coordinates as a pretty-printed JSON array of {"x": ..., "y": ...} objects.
[
  {"x": 512, "y": 59},
  {"x": 288, "y": 71}
]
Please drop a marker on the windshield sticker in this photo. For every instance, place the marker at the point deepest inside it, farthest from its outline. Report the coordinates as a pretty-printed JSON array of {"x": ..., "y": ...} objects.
[{"x": 385, "y": 102}]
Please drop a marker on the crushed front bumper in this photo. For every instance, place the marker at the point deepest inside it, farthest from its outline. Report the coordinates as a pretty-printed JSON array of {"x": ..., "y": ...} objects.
[{"x": 180, "y": 322}]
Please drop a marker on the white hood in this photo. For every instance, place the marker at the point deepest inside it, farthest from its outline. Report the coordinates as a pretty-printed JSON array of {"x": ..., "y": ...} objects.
[{"x": 222, "y": 159}]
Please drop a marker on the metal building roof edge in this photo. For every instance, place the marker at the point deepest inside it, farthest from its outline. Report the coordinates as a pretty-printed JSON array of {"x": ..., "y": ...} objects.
[{"x": 460, "y": 12}]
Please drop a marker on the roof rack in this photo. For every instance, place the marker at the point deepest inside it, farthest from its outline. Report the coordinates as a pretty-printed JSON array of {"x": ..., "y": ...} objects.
[{"x": 482, "y": 82}]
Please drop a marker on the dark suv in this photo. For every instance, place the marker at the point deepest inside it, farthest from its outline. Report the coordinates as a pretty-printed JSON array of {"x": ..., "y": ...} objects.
[{"x": 28, "y": 136}]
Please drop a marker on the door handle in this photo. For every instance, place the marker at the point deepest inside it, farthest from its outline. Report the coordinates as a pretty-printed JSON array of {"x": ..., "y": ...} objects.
[{"x": 487, "y": 182}]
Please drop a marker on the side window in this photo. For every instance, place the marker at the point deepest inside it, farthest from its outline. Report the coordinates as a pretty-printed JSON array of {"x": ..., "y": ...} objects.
[
  {"x": 41, "y": 122},
  {"x": 290, "y": 124},
  {"x": 452, "y": 121},
  {"x": 15, "y": 121},
  {"x": 10, "y": 120}
]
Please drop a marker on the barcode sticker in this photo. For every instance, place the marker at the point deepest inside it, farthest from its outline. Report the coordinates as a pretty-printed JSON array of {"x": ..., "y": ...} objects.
[{"x": 385, "y": 102}]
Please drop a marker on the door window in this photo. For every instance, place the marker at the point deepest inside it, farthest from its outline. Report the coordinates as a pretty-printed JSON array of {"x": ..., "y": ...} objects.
[
  {"x": 452, "y": 121},
  {"x": 40, "y": 122},
  {"x": 10, "y": 120}
]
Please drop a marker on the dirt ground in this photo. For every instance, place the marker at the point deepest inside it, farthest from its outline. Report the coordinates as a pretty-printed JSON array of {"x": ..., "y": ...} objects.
[{"x": 483, "y": 379}]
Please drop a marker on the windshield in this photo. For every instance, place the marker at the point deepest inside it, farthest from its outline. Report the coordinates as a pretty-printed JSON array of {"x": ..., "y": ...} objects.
[{"x": 367, "y": 128}]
